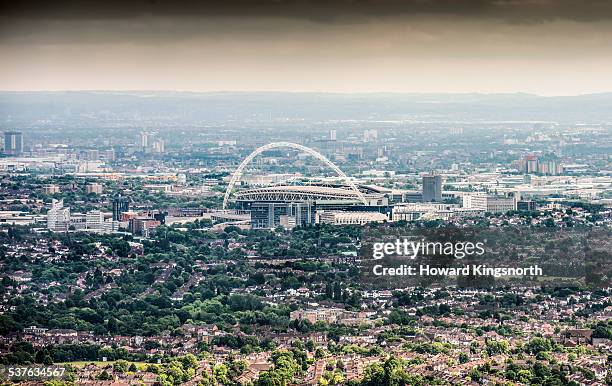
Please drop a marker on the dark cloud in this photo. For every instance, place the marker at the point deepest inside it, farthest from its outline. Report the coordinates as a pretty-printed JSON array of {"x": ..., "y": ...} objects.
[
  {"x": 538, "y": 46},
  {"x": 514, "y": 11}
]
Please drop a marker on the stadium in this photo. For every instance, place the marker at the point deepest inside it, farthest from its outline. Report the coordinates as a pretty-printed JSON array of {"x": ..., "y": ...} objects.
[{"x": 302, "y": 204}]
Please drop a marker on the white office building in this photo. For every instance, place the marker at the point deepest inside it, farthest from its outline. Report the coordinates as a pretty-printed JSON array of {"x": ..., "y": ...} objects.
[
  {"x": 491, "y": 204},
  {"x": 58, "y": 217},
  {"x": 351, "y": 218},
  {"x": 94, "y": 220}
]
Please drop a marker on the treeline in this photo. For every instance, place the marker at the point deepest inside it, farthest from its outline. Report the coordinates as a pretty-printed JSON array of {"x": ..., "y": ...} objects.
[{"x": 24, "y": 353}]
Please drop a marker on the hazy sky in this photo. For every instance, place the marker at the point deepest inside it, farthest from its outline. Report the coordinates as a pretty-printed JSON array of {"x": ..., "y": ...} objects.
[{"x": 538, "y": 46}]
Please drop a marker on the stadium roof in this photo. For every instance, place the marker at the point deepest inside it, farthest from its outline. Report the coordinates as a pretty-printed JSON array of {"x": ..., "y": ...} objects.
[{"x": 291, "y": 193}]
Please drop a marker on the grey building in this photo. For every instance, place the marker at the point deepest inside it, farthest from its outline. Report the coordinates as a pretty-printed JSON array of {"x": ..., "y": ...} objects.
[
  {"x": 120, "y": 204},
  {"x": 13, "y": 142},
  {"x": 269, "y": 215},
  {"x": 432, "y": 188},
  {"x": 526, "y": 205}
]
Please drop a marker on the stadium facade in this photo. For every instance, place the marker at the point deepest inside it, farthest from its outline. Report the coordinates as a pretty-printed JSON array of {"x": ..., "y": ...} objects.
[{"x": 301, "y": 205}]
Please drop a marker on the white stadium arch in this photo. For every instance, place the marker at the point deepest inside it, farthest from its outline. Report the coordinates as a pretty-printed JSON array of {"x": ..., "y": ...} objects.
[{"x": 238, "y": 173}]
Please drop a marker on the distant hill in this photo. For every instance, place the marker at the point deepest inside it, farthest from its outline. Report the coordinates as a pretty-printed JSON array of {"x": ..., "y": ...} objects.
[{"x": 188, "y": 107}]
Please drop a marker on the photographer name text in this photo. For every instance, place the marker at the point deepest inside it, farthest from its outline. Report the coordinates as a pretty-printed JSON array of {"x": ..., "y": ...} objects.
[{"x": 466, "y": 270}]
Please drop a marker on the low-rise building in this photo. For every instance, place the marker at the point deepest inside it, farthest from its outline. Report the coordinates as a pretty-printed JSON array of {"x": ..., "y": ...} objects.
[
  {"x": 488, "y": 203},
  {"x": 94, "y": 188},
  {"x": 350, "y": 218}
]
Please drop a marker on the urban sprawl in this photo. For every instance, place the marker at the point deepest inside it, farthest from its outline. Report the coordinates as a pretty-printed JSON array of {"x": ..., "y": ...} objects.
[{"x": 138, "y": 252}]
